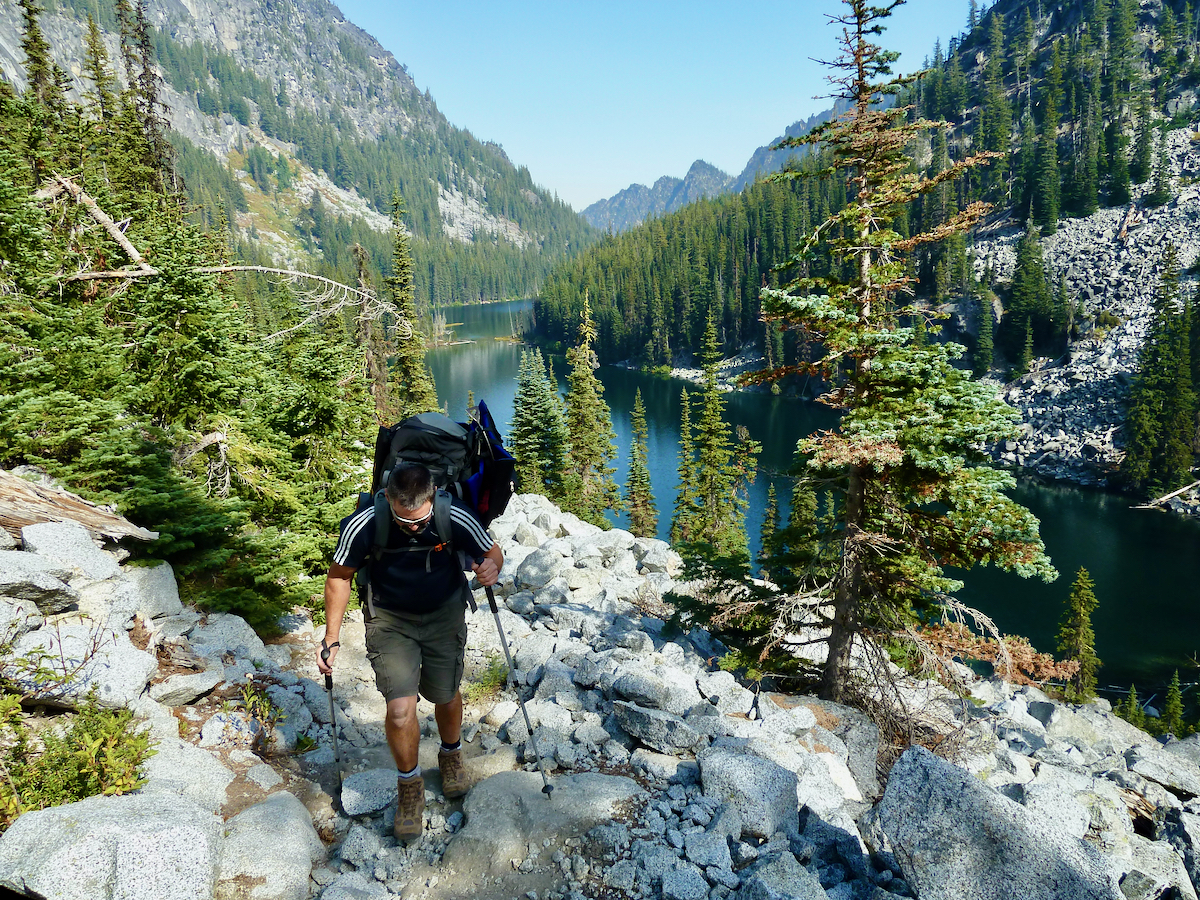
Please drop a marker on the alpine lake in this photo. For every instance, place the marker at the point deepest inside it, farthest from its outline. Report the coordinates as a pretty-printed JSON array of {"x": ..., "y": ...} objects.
[{"x": 1145, "y": 563}]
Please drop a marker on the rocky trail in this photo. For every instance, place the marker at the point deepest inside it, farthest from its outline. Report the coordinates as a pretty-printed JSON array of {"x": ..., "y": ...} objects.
[{"x": 671, "y": 779}]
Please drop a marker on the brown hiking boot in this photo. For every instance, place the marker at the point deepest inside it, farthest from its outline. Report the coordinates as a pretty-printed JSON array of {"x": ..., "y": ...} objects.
[
  {"x": 410, "y": 808},
  {"x": 455, "y": 781}
]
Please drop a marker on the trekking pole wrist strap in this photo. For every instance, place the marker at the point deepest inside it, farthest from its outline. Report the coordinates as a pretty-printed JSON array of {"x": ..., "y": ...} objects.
[{"x": 330, "y": 646}]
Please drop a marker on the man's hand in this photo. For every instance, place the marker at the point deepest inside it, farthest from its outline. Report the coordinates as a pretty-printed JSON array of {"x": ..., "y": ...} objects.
[
  {"x": 486, "y": 571},
  {"x": 325, "y": 666}
]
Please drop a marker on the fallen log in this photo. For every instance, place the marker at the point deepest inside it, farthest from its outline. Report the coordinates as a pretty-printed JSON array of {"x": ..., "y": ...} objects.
[{"x": 24, "y": 503}]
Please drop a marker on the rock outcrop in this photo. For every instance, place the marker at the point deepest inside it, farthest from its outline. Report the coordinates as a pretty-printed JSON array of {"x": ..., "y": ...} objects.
[{"x": 672, "y": 780}]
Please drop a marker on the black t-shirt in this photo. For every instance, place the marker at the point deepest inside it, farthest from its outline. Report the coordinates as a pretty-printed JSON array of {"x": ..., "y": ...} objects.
[{"x": 422, "y": 578}]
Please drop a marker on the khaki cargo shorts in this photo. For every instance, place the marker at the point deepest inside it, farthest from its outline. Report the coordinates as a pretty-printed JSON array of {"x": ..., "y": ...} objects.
[{"x": 418, "y": 652}]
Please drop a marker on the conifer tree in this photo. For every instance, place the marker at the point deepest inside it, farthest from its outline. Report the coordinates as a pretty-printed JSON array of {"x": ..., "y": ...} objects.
[
  {"x": 905, "y": 477},
  {"x": 42, "y": 74},
  {"x": 1077, "y": 638},
  {"x": 770, "y": 528},
  {"x": 1143, "y": 146},
  {"x": 1118, "y": 181},
  {"x": 1161, "y": 420},
  {"x": 639, "y": 497},
  {"x": 1130, "y": 709},
  {"x": 588, "y": 483},
  {"x": 982, "y": 360},
  {"x": 96, "y": 67},
  {"x": 719, "y": 518},
  {"x": 996, "y": 117},
  {"x": 1160, "y": 191},
  {"x": 412, "y": 382},
  {"x": 1046, "y": 200},
  {"x": 683, "y": 522},
  {"x": 527, "y": 430},
  {"x": 1171, "y": 721}
]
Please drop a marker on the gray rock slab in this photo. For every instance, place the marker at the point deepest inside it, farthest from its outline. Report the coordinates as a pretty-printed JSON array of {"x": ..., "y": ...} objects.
[
  {"x": 1174, "y": 772},
  {"x": 762, "y": 791},
  {"x": 508, "y": 812},
  {"x": 156, "y": 591},
  {"x": 684, "y": 882},
  {"x": 24, "y": 576},
  {"x": 708, "y": 849},
  {"x": 180, "y": 769},
  {"x": 7, "y": 541},
  {"x": 659, "y": 687},
  {"x": 665, "y": 766},
  {"x": 1158, "y": 869},
  {"x": 355, "y": 886},
  {"x": 781, "y": 877},
  {"x": 368, "y": 792},
  {"x": 18, "y": 617},
  {"x": 69, "y": 544},
  {"x": 269, "y": 852},
  {"x": 264, "y": 776},
  {"x": 957, "y": 839},
  {"x": 180, "y": 690},
  {"x": 539, "y": 568},
  {"x": 1182, "y": 831},
  {"x": 226, "y": 633},
  {"x": 656, "y": 729},
  {"x": 135, "y": 847},
  {"x": 90, "y": 658},
  {"x": 860, "y": 736}
]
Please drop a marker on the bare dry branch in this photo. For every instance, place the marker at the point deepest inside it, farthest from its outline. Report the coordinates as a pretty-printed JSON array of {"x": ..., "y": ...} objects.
[{"x": 66, "y": 185}]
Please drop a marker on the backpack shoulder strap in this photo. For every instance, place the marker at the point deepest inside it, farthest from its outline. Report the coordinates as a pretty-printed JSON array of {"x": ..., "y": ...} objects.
[
  {"x": 441, "y": 519},
  {"x": 383, "y": 524}
]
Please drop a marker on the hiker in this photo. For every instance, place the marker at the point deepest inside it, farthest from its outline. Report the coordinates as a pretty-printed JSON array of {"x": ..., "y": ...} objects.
[{"x": 416, "y": 637}]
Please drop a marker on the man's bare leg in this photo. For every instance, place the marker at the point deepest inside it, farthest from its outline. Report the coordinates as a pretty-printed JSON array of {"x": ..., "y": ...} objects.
[
  {"x": 449, "y": 719},
  {"x": 403, "y": 733}
]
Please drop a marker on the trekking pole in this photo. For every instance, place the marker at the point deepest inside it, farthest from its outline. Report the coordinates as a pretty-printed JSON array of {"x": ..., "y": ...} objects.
[
  {"x": 337, "y": 754},
  {"x": 547, "y": 787}
]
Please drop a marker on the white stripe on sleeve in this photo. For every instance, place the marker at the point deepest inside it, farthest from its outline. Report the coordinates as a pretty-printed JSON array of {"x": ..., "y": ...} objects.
[
  {"x": 353, "y": 527},
  {"x": 471, "y": 524}
]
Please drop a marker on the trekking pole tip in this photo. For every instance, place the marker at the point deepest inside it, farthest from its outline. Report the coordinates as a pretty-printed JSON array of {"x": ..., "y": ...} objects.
[{"x": 546, "y": 789}]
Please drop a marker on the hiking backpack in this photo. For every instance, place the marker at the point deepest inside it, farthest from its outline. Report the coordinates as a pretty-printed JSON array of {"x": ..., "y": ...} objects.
[{"x": 467, "y": 460}]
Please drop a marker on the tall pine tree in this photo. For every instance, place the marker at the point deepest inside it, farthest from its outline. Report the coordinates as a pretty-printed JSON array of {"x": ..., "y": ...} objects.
[
  {"x": 639, "y": 498},
  {"x": 588, "y": 483},
  {"x": 903, "y": 462},
  {"x": 411, "y": 381}
]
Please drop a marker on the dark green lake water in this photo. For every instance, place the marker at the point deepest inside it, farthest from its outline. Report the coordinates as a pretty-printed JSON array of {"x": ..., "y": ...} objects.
[{"x": 1146, "y": 564}]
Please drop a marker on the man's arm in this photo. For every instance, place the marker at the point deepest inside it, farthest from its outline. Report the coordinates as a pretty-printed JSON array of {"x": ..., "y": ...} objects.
[
  {"x": 337, "y": 598},
  {"x": 488, "y": 570}
]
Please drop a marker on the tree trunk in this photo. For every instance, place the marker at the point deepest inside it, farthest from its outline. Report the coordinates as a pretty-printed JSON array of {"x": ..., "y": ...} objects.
[{"x": 846, "y": 599}]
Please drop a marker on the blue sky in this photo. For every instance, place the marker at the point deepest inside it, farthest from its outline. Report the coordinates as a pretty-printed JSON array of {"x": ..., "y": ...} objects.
[{"x": 593, "y": 97}]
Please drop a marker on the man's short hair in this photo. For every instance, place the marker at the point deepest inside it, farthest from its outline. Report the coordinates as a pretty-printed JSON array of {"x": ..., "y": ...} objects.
[{"x": 411, "y": 485}]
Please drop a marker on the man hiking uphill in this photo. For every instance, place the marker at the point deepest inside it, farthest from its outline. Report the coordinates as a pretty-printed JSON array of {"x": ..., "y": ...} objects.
[{"x": 416, "y": 639}]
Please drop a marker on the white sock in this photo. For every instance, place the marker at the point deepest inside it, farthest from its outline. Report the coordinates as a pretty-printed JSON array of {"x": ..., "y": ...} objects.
[{"x": 416, "y": 770}]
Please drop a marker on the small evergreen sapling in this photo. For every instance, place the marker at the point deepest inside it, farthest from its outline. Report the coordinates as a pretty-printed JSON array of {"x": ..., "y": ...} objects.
[
  {"x": 639, "y": 498},
  {"x": 1077, "y": 638}
]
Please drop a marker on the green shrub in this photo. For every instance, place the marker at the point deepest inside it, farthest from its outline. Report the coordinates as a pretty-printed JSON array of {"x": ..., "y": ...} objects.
[
  {"x": 99, "y": 753},
  {"x": 488, "y": 682}
]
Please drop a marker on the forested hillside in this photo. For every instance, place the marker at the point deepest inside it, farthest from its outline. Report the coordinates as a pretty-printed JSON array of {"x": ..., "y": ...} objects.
[
  {"x": 1072, "y": 98},
  {"x": 295, "y": 127}
]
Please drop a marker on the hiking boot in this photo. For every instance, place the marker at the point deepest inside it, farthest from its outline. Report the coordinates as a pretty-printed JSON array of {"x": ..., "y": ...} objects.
[
  {"x": 455, "y": 781},
  {"x": 410, "y": 808}
]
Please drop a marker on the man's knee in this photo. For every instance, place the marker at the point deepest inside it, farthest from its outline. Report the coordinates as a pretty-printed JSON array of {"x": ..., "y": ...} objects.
[{"x": 402, "y": 711}]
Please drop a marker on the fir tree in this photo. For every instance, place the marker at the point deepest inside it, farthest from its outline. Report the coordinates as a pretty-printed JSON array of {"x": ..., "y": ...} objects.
[
  {"x": 526, "y": 432},
  {"x": 42, "y": 74},
  {"x": 1161, "y": 420},
  {"x": 982, "y": 360},
  {"x": 412, "y": 382},
  {"x": 96, "y": 67},
  {"x": 1160, "y": 191},
  {"x": 768, "y": 548},
  {"x": 1143, "y": 146},
  {"x": 1171, "y": 721},
  {"x": 1130, "y": 709},
  {"x": 639, "y": 498},
  {"x": 683, "y": 522},
  {"x": 1077, "y": 638},
  {"x": 906, "y": 477},
  {"x": 719, "y": 518},
  {"x": 588, "y": 483}
]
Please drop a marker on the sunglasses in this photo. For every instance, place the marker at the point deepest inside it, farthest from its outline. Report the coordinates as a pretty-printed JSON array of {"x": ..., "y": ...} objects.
[{"x": 418, "y": 521}]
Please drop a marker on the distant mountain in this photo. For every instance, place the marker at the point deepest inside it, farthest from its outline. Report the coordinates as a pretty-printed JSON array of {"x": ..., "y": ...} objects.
[
  {"x": 300, "y": 126},
  {"x": 637, "y": 202}
]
